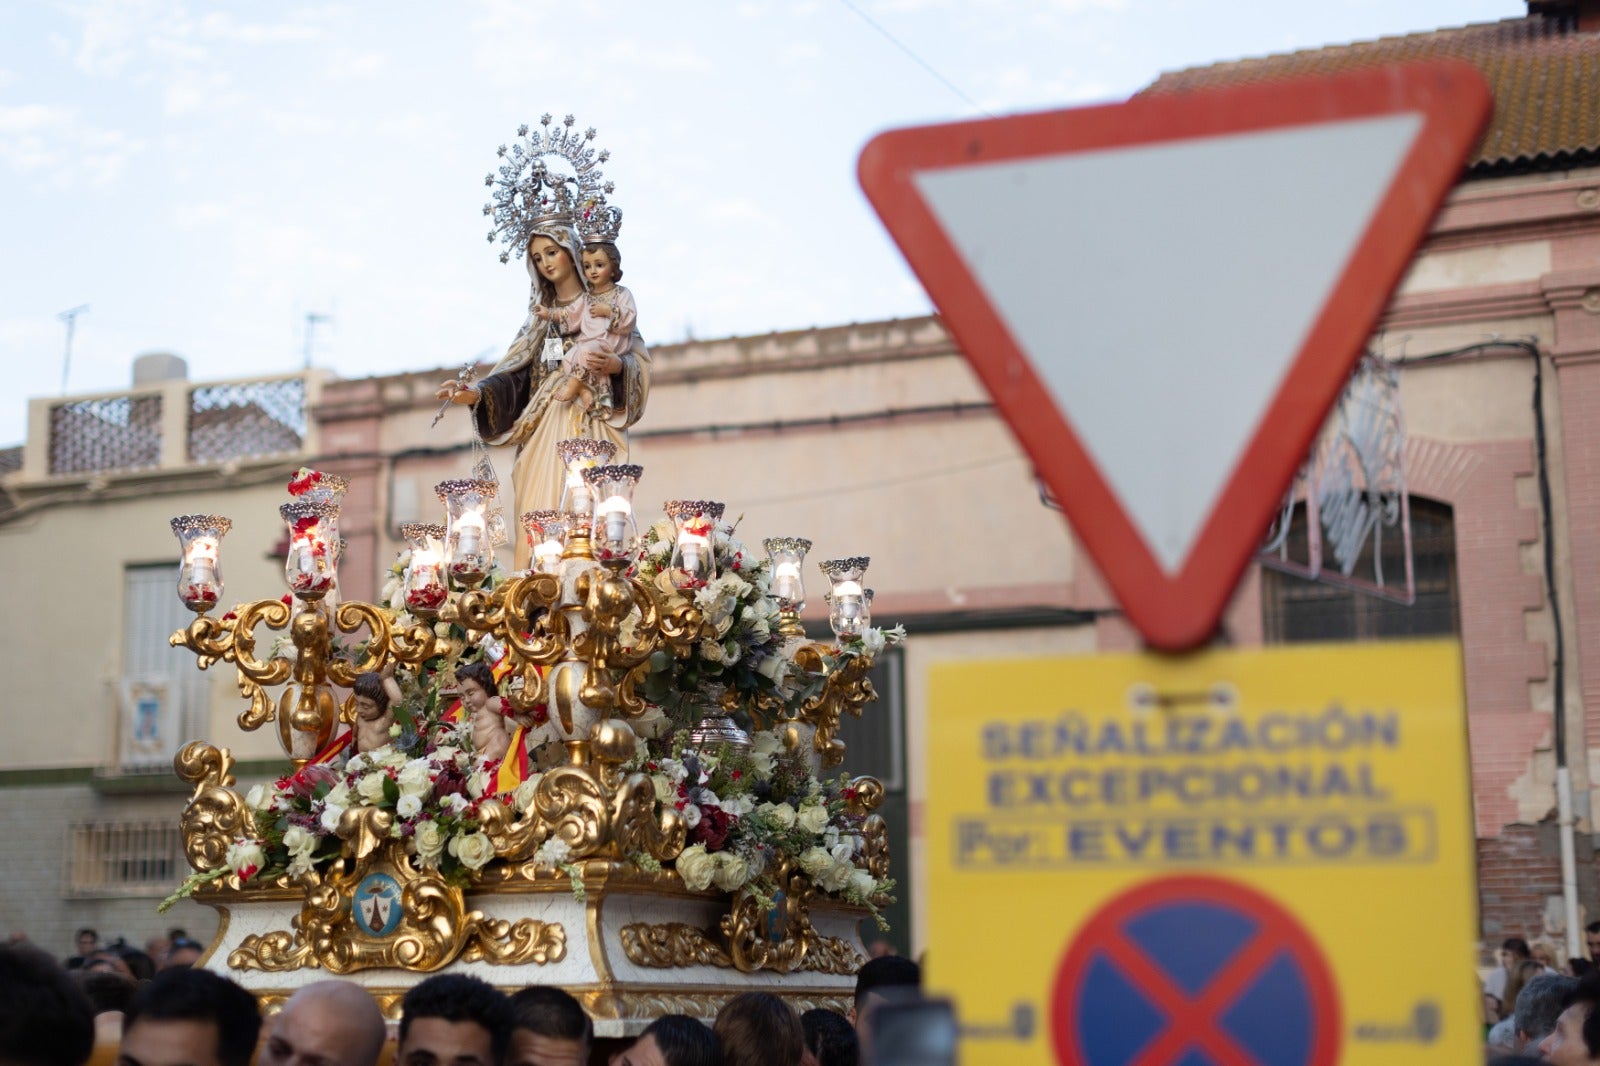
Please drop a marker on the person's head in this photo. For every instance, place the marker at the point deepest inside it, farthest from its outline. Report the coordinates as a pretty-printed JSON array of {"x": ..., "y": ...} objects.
[
  {"x": 189, "y": 1017},
  {"x": 451, "y": 1019},
  {"x": 554, "y": 254},
  {"x": 886, "y": 971},
  {"x": 87, "y": 941},
  {"x": 182, "y": 954},
  {"x": 140, "y": 964},
  {"x": 1521, "y": 973},
  {"x": 329, "y": 1023},
  {"x": 370, "y": 697},
  {"x": 47, "y": 1019},
  {"x": 1512, "y": 951},
  {"x": 1575, "y": 1040},
  {"x": 108, "y": 961},
  {"x": 830, "y": 1038},
  {"x": 759, "y": 1029},
  {"x": 602, "y": 264},
  {"x": 549, "y": 1028},
  {"x": 1538, "y": 1006},
  {"x": 477, "y": 684},
  {"x": 673, "y": 1040},
  {"x": 106, "y": 990}
]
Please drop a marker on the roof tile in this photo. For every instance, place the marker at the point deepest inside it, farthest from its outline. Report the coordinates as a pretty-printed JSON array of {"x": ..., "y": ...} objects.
[{"x": 1545, "y": 76}]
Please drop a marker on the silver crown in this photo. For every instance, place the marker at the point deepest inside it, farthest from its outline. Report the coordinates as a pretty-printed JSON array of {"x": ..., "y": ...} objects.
[{"x": 529, "y": 192}]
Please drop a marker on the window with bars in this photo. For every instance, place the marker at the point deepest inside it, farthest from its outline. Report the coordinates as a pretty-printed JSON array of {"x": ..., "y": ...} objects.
[
  {"x": 124, "y": 859},
  {"x": 1295, "y": 609}
]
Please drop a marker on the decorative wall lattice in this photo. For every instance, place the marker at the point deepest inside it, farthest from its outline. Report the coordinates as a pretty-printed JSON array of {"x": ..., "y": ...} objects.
[
  {"x": 246, "y": 420},
  {"x": 119, "y": 433}
]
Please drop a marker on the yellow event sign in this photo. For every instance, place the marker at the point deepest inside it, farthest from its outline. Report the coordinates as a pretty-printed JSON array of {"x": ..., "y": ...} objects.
[{"x": 1260, "y": 858}]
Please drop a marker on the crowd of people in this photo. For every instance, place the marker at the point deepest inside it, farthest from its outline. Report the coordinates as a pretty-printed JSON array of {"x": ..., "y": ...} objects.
[
  {"x": 1539, "y": 1005},
  {"x": 173, "y": 1014}
]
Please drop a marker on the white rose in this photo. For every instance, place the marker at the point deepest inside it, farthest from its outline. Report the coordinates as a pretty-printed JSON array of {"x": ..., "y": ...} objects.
[
  {"x": 370, "y": 787},
  {"x": 842, "y": 852},
  {"x": 339, "y": 795},
  {"x": 300, "y": 842},
  {"x": 666, "y": 791},
  {"x": 430, "y": 842},
  {"x": 245, "y": 858},
  {"x": 711, "y": 651},
  {"x": 408, "y": 807},
  {"x": 731, "y": 871},
  {"x": 416, "y": 779},
  {"x": 772, "y": 667},
  {"x": 696, "y": 867},
  {"x": 330, "y": 817},
  {"x": 835, "y": 877},
  {"x": 473, "y": 850},
  {"x": 862, "y": 884},
  {"x": 761, "y": 766},
  {"x": 256, "y": 798},
  {"x": 813, "y": 818},
  {"x": 814, "y": 861},
  {"x": 523, "y": 796},
  {"x": 779, "y": 814}
]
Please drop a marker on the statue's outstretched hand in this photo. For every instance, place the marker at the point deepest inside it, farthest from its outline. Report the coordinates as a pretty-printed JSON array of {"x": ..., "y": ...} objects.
[{"x": 455, "y": 392}]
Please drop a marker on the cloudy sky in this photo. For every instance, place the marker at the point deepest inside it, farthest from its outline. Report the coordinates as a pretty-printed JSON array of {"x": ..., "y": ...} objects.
[{"x": 205, "y": 175}]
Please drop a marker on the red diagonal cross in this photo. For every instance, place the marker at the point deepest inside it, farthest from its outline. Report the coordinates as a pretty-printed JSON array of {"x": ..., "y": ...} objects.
[{"x": 1192, "y": 1021}]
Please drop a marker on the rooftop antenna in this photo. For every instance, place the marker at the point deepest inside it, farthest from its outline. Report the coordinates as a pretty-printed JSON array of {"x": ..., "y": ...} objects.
[
  {"x": 70, "y": 317},
  {"x": 312, "y": 319}
]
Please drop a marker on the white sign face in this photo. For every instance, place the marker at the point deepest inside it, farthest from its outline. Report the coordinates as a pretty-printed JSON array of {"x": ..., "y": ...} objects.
[{"x": 1159, "y": 301}]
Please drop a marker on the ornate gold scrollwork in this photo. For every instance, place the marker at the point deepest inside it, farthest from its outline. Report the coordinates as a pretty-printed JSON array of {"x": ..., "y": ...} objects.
[
  {"x": 375, "y": 908},
  {"x": 846, "y": 690},
  {"x": 234, "y": 640},
  {"x": 215, "y": 816},
  {"x": 671, "y": 944},
  {"x": 746, "y": 927},
  {"x": 741, "y": 942}
]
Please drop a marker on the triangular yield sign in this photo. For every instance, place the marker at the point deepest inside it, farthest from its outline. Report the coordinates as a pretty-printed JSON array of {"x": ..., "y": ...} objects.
[{"x": 1165, "y": 296}]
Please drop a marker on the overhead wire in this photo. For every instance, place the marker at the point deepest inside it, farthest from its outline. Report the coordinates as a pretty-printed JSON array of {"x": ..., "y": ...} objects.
[{"x": 918, "y": 60}]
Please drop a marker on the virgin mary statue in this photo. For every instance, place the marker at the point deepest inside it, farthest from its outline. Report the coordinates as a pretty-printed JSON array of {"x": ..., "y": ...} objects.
[{"x": 518, "y": 402}]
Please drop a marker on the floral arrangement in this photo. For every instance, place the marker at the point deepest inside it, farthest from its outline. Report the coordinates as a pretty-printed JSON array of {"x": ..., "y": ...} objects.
[
  {"x": 742, "y": 653},
  {"x": 747, "y": 811}
]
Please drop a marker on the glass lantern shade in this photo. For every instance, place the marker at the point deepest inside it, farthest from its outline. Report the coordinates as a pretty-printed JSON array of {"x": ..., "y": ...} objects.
[
  {"x": 425, "y": 588},
  {"x": 694, "y": 561},
  {"x": 547, "y": 538},
  {"x": 849, "y": 605},
  {"x": 787, "y": 555},
  {"x": 199, "y": 568},
  {"x": 314, "y": 486},
  {"x": 312, "y": 565},
  {"x": 614, "y": 533},
  {"x": 580, "y": 454},
  {"x": 468, "y": 550}
]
